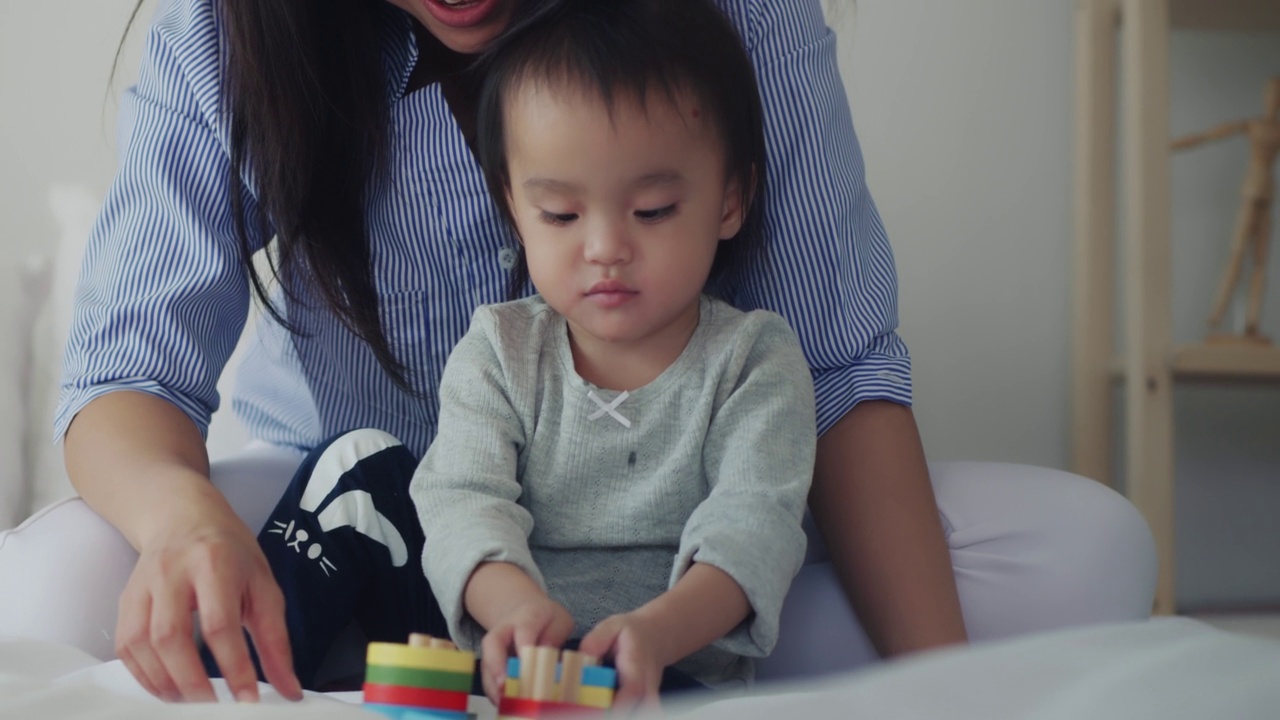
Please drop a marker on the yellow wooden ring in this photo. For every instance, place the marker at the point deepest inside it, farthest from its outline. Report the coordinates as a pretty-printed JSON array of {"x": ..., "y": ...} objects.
[
  {"x": 596, "y": 697},
  {"x": 401, "y": 655}
]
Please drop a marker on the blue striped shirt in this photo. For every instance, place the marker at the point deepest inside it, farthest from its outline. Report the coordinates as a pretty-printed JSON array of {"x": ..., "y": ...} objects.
[{"x": 163, "y": 297}]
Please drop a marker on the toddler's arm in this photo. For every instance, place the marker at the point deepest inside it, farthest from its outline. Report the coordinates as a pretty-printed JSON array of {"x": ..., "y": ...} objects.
[
  {"x": 517, "y": 613},
  {"x": 758, "y": 461},
  {"x": 705, "y": 604},
  {"x": 466, "y": 490}
]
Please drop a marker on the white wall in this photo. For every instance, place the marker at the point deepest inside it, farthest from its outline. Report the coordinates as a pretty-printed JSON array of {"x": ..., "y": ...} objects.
[
  {"x": 56, "y": 115},
  {"x": 964, "y": 112}
]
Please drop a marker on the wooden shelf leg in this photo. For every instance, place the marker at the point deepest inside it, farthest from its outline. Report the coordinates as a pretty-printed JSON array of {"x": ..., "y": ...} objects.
[
  {"x": 1093, "y": 194},
  {"x": 1144, "y": 38}
]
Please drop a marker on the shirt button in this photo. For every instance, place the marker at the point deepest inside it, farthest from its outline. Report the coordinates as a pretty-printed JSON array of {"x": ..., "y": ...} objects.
[{"x": 507, "y": 258}]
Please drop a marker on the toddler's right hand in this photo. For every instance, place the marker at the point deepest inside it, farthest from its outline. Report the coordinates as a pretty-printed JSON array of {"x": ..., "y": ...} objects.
[
  {"x": 217, "y": 570},
  {"x": 538, "y": 622}
]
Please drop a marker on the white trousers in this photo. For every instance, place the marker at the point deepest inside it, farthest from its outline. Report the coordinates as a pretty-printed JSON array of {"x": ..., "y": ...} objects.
[{"x": 1032, "y": 548}]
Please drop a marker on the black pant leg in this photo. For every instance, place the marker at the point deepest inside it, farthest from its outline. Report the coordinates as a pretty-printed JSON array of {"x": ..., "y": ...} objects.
[{"x": 344, "y": 544}]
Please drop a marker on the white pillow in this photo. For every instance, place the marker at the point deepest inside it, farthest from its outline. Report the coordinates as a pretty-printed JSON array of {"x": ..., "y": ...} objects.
[
  {"x": 74, "y": 208},
  {"x": 23, "y": 284},
  {"x": 13, "y": 497}
]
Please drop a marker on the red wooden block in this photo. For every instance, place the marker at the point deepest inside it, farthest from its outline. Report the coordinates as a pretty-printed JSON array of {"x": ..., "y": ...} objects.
[
  {"x": 526, "y": 708},
  {"x": 415, "y": 697}
]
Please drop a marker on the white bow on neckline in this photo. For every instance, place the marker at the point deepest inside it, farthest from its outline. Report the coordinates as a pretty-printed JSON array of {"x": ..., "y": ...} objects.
[{"x": 609, "y": 408}]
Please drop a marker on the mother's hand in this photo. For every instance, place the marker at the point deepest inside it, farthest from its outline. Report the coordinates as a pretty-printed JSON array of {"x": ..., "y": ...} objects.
[
  {"x": 216, "y": 569},
  {"x": 140, "y": 462}
]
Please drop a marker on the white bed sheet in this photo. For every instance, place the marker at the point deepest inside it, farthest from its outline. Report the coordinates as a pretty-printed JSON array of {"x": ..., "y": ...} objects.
[{"x": 1165, "y": 669}]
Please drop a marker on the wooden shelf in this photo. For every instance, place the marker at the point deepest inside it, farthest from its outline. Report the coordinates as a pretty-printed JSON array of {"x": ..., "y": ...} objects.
[
  {"x": 1234, "y": 15},
  {"x": 1229, "y": 363},
  {"x": 1122, "y": 121}
]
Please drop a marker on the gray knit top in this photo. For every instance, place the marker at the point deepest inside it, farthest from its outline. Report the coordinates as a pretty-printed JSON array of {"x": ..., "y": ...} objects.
[{"x": 606, "y": 503}]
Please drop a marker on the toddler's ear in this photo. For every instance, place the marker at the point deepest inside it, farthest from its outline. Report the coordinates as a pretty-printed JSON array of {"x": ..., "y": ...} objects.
[{"x": 734, "y": 211}]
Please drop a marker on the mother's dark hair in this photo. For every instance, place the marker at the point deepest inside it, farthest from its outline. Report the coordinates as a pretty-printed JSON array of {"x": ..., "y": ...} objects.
[{"x": 305, "y": 92}]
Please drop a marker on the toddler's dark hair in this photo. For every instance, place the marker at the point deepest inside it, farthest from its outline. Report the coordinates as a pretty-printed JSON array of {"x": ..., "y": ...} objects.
[{"x": 635, "y": 48}]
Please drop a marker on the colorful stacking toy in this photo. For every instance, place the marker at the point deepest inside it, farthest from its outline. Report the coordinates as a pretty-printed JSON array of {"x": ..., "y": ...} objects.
[
  {"x": 539, "y": 686},
  {"x": 427, "y": 679}
]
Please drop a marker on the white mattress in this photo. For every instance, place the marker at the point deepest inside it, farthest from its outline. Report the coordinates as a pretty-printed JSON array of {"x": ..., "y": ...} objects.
[{"x": 1165, "y": 669}]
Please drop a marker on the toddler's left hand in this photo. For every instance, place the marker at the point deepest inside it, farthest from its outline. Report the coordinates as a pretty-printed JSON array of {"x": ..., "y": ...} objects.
[{"x": 633, "y": 645}]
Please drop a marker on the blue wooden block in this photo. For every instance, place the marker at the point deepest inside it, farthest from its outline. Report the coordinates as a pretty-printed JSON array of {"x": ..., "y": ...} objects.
[
  {"x": 592, "y": 675},
  {"x": 599, "y": 676},
  {"x": 405, "y": 712}
]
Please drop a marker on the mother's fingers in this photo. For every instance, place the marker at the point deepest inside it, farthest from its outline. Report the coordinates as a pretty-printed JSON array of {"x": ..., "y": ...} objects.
[
  {"x": 220, "y": 601},
  {"x": 264, "y": 618},
  {"x": 174, "y": 644},
  {"x": 140, "y": 674},
  {"x": 133, "y": 647}
]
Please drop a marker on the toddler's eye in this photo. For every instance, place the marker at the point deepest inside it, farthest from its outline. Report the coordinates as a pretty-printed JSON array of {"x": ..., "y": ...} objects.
[
  {"x": 655, "y": 215},
  {"x": 558, "y": 218}
]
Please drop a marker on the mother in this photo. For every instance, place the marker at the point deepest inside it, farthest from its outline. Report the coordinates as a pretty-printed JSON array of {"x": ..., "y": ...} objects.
[{"x": 335, "y": 135}]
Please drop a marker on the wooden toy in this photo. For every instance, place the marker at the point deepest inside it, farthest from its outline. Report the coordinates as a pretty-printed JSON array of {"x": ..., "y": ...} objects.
[
  {"x": 1253, "y": 225},
  {"x": 538, "y": 686},
  {"x": 426, "y": 679}
]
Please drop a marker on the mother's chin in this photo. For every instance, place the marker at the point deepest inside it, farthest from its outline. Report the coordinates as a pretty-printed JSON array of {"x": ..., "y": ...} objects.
[{"x": 464, "y": 26}]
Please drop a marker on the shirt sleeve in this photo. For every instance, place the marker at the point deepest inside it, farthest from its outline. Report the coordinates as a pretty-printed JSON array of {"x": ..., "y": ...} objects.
[
  {"x": 162, "y": 295},
  {"x": 466, "y": 488},
  {"x": 758, "y": 458},
  {"x": 830, "y": 270}
]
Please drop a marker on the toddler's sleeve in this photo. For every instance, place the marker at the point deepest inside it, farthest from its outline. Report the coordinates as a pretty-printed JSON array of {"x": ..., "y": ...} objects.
[
  {"x": 758, "y": 458},
  {"x": 466, "y": 488}
]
